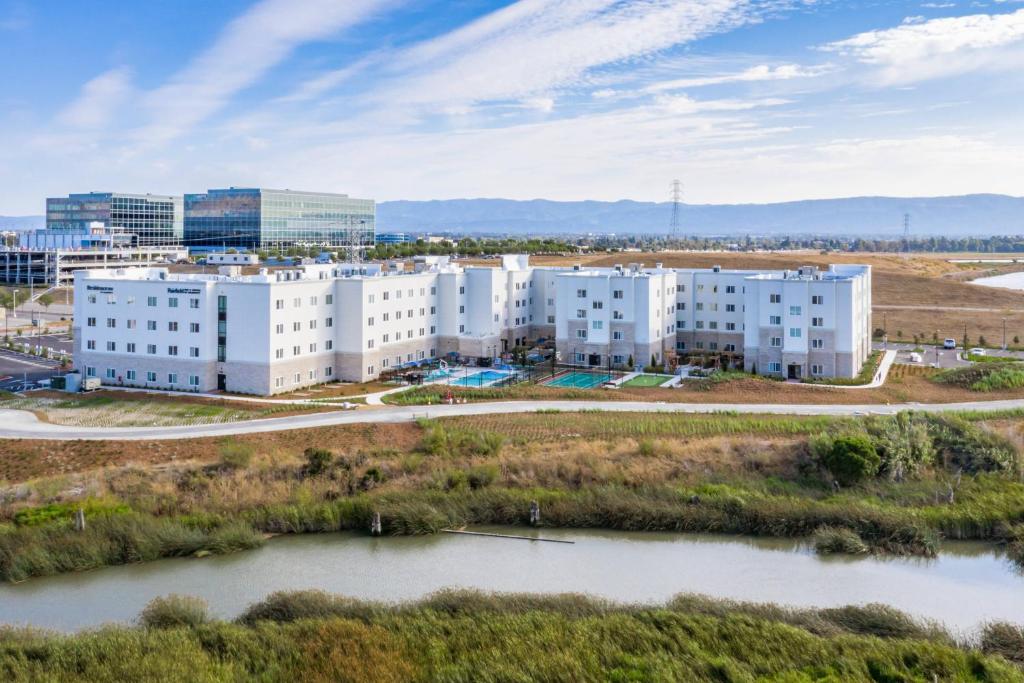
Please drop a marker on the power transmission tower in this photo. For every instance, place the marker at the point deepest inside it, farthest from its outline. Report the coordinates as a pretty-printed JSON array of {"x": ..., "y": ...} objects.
[
  {"x": 906, "y": 235},
  {"x": 677, "y": 204}
]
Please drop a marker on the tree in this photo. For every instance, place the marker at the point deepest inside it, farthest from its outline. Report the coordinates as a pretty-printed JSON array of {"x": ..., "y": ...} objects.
[
  {"x": 1016, "y": 339},
  {"x": 981, "y": 340},
  {"x": 850, "y": 458},
  {"x": 317, "y": 460},
  {"x": 629, "y": 362}
]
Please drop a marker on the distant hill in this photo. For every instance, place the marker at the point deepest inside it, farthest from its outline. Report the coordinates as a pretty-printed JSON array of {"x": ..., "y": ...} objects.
[
  {"x": 22, "y": 222},
  {"x": 978, "y": 215}
]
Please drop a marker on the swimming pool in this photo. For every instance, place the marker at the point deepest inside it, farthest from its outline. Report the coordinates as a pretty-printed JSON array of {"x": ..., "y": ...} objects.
[
  {"x": 580, "y": 380},
  {"x": 480, "y": 379}
]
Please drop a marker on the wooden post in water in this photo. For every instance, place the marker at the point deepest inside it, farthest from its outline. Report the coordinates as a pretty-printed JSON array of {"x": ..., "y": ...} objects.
[
  {"x": 534, "y": 513},
  {"x": 375, "y": 524},
  {"x": 80, "y": 519}
]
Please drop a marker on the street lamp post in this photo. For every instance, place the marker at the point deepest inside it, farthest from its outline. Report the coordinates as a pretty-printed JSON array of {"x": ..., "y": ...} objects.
[{"x": 1004, "y": 334}]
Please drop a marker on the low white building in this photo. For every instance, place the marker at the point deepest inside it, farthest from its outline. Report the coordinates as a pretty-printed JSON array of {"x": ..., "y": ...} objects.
[{"x": 282, "y": 330}]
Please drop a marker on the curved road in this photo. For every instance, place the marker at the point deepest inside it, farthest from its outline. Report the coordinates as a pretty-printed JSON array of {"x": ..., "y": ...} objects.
[{"x": 19, "y": 424}]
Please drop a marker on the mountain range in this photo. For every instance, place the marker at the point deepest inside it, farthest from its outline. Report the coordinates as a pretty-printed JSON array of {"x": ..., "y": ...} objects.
[{"x": 976, "y": 214}]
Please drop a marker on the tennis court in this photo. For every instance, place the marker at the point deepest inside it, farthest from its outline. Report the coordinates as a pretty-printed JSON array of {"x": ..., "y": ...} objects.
[
  {"x": 647, "y": 381},
  {"x": 580, "y": 380}
]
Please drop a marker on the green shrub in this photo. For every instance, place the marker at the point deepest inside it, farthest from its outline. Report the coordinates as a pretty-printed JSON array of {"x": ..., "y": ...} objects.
[
  {"x": 833, "y": 540},
  {"x": 317, "y": 460},
  {"x": 1005, "y": 640},
  {"x": 174, "y": 611},
  {"x": 903, "y": 442},
  {"x": 235, "y": 455},
  {"x": 285, "y": 606},
  {"x": 851, "y": 458}
]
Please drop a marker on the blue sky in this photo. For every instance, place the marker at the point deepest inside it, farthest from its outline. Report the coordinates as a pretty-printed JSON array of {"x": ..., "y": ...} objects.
[{"x": 743, "y": 100}]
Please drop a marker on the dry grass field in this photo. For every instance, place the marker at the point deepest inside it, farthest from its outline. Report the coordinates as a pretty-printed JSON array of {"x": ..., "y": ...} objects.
[{"x": 922, "y": 294}]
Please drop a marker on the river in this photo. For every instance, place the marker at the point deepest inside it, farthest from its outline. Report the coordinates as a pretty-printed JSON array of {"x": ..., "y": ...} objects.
[
  {"x": 1006, "y": 281},
  {"x": 966, "y": 586}
]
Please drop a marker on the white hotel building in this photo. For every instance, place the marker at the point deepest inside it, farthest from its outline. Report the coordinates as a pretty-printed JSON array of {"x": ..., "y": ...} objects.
[{"x": 282, "y": 330}]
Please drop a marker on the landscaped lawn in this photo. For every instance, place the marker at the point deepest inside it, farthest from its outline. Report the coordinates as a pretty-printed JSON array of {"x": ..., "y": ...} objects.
[{"x": 647, "y": 381}]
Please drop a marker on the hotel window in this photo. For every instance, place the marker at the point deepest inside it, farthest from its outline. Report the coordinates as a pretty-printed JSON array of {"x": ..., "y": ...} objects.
[
  {"x": 700, "y": 306},
  {"x": 279, "y": 328},
  {"x": 369, "y": 343},
  {"x": 712, "y": 346},
  {"x": 597, "y": 324},
  {"x": 312, "y": 301},
  {"x": 775, "y": 298},
  {"x": 775, "y": 320},
  {"x": 296, "y": 350},
  {"x": 700, "y": 288},
  {"x": 386, "y": 339},
  {"x": 369, "y": 369},
  {"x": 551, "y": 320},
  {"x": 329, "y": 344},
  {"x": 172, "y": 350},
  {"x": 151, "y": 325},
  {"x": 462, "y": 328},
  {"x": 699, "y": 324},
  {"x": 172, "y": 378},
  {"x": 816, "y": 369},
  {"x": 90, "y": 344},
  {"x": 817, "y": 343},
  {"x": 597, "y": 305},
  {"x": 151, "y": 349},
  {"x": 699, "y": 345},
  {"x": 329, "y": 371},
  {"x": 775, "y": 367},
  {"x": 794, "y": 310},
  {"x": 193, "y": 380},
  {"x": 172, "y": 302},
  {"x": 279, "y": 304},
  {"x": 616, "y": 294},
  {"x": 730, "y": 308},
  {"x": 297, "y": 302},
  {"x": 680, "y": 346},
  {"x": 680, "y": 324},
  {"x": 730, "y": 326},
  {"x": 129, "y": 375},
  {"x": 90, "y": 322},
  {"x": 111, "y": 346},
  {"x": 618, "y": 360},
  {"x": 462, "y": 290},
  {"x": 151, "y": 301},
  {"x": 581, "y": 334},
  {"x": 92, "y": 298},
  {"x": 130, "y": 347},
  {"x": 371, "y": 298},
  {"x": 817, "y": 299},
  {"x": 150, "y": 376},
  {"x": 713, "y": 325},
  {"x": 369, "y": 321},
  {"x": 580, "y": 357},
  {"x": 312, "y": 347},
  {"x": 172, "y": 326},
  {"x": 193, "y": 328},
  {"x": 297, "y": 378},
  {"x": 193, "y": 351},
  {"x": 462, "y": 309},
  {"x": 90, "y": 371},
  {"x": 730, "y": 348},
  {"x": 795, "y": 332},
  {"x": 581, "y": 313},
  {"x": 581, "y": 293},
  {"x": 312, "y": 324},
  {"x": 279, "y": 353},
  {"x": 776, "y": 341},
  {"x": 680, "y": 305},
  {"x": 279, "y": 381},
  {"x": 111, "y": 322},
  {"x": 329, "y": 299},
  {"x": 817, "y": 322},
  {"x": 617, "y": 335},
  {"x": 617, "y": 315},
  {"x": 130, "y": 324},
  {"x": 730, "y": 289},
  {"x": 329, "y": 322},
  {"x": 296, "y": 326},
  {"x": 193, "y": 303}
]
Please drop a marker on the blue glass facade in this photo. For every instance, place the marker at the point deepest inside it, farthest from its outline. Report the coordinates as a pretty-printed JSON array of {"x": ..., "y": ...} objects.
[
  {"x": 153, "y": 219},
  {"x": 255, "y": 218}
]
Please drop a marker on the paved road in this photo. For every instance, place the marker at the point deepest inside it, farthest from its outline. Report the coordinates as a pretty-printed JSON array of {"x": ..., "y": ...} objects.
[{"x": 17, "y": 424}]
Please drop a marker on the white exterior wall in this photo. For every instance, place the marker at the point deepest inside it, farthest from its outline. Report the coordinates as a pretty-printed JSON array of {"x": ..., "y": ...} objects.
[{"x": 335, "y": 324}]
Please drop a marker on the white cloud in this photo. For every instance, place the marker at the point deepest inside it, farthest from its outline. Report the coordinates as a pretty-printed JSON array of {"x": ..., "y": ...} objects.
[
  {"x": 535, "y": 47},
  {"x": 98, "y": 100},
  {"x": 761, "y": 72},
  {"x": 244, "y": 51},
  {"x": 922, "y": 50}
]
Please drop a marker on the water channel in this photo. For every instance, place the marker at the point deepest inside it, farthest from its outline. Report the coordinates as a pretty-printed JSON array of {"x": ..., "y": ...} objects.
[{"x": 966, "y": 586}]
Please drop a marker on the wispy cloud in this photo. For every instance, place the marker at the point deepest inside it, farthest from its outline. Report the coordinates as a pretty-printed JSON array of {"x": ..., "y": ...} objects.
[
  {"x": 534, "y": 47},
  {"x": 243, "y": 53},
  {"x": 761, "y": 72},
  {"x": 920, "y": 50},
  {"x": 99, "y": 100}
]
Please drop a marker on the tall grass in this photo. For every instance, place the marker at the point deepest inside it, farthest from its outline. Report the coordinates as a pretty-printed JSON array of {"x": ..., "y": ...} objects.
[{"x": 466, "y": 636}]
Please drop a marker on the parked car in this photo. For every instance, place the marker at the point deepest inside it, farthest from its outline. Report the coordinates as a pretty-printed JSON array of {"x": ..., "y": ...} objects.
[
  {"x": 949, "y": 344},
  {"x": 915, "y": 358},
  {"x": 977, "y": 351}
]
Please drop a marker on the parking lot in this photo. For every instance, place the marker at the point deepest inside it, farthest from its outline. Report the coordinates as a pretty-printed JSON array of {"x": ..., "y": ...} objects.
[
  {"x": 17, "y": 369},
  {"x": 62, "y": 342}
]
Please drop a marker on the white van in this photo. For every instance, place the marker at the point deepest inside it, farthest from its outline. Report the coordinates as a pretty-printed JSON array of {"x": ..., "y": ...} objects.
[
  {"x": 915, "y": 358},
  {"x": 949, "y": 344}
]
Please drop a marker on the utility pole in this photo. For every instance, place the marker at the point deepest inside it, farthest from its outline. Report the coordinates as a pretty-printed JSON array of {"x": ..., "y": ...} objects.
[
  {"x": 1004, "y": 334},
  {"x": 906, "y": 235},
  {"x": 677, "y": 204}
]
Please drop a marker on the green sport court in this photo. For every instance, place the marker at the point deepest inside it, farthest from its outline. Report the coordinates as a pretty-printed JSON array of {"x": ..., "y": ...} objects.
[
  {"x": 647, "y": 381},
  {"x": 580, "y": 380}
]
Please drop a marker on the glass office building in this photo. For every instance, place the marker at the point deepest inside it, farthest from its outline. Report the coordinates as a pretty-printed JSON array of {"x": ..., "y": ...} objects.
[
  {"x": 152, "y": 219},
  {"x": 256, "y": 218}
]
